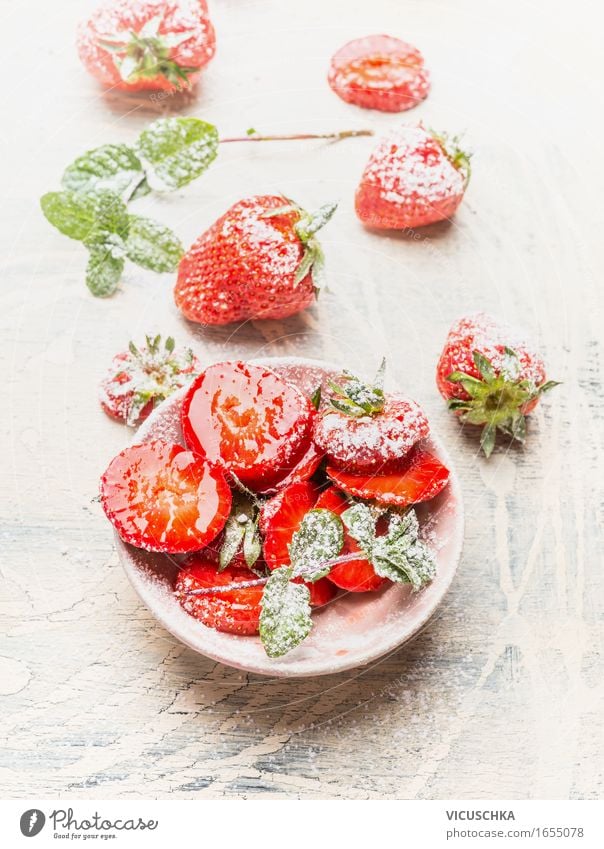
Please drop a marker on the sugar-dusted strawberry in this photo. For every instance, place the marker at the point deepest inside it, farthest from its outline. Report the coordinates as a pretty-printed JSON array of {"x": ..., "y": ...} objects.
[
  {"x": 249, "y": 419},
  {"x": 280, "y": 518},
  {"x": 417, "y": 477},
  {"x": 261, "y": 259},
  {"x": 491, "y": 376},
  {"x": 136, "y": 45},
  {"x": 236, "y": 611},
  {"x": 141, "y": 377},
  {"x": 160, "y": 497},
  {"x": 379, "y": 72},
  {"x": 361, "y": 428},
  {"x": 356, "y": 576},
  {"x": 413, "y": 177}
]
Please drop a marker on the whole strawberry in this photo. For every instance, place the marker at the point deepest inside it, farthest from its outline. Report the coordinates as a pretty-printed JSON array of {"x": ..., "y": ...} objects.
[
  {"x": 413, "y": 177},
  {"x": 140, "y": 377},
  {"x": 150, "y": 45},
  {"x": 259, "y": 260},
  {"x": 491, "y": 377}
]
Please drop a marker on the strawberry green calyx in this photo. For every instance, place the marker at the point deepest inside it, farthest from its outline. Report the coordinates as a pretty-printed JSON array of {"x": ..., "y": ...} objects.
[
  {"x": 457, "y": 156},
  {"x": 155, "y": 372},
  {"x": 308, "y": 224},
  {"x": 354, "y": 398},
  {"x": 145, "y": 54},
  {"x": 497, "y": 400}
]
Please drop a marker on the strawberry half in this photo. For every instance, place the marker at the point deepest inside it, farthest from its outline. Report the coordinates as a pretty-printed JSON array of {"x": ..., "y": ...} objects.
[
  {"x": 261, "y": 259},
  {"x": 135, "y": 45},
  {"x": 361, "y": 428},
  {"x": 491, "y": 376},
  {"x": 160, "y": 497},
  {"x": 140, "y": 378},
  {"x": 250, "y": 420},
  {"x": 357, "y": 576},
  {"x": 236, "y": 611},
  {"x": 280, "y": 518},
  {"x": 418, "y": 477},
  {"x": 379, "y": 72},
  {"x": 414, "y": 177}
]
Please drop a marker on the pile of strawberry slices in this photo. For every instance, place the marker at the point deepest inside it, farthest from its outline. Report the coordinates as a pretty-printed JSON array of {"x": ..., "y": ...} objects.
[{"x": 279, "y": 501}]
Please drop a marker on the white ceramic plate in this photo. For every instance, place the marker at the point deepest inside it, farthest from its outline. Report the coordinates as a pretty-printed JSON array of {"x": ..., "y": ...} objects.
[{"x": 355, "y": 628}]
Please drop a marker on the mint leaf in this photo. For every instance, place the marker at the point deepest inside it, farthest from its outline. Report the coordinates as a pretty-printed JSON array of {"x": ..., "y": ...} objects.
[
  {"x": 252, "y": 546},
  {"x": 104, "y": 270},
  {"x": 152, "y": 245},
  {"x": 319, "y": 539},
  {"x": 401, "y": 556},
  {"x": 175, "y": 151},
  {"x": 111, "y": 166},
  {"x": 241, "y": 529},
  {"x": 110, "y": 225},
  {"x": 285, "y": 618},
  {"x": 72, "y": 214}
]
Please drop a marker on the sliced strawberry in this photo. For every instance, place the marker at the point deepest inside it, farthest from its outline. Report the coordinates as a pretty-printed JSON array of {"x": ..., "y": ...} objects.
[
  {"x": 283, "y": 518},
  {"x": 280, "y": 518},
  {"x": 236, "y": 611},
  {"x": 247, "y": 418},
  {"x": 322, "y": 592},
  {"x": 160, "y": 497},
  {"x": 419, "y": 477},
  {"x": 379, "y": 72},
  {"x": 356, "y": 576},
  {"x": 304, "y": 468}
]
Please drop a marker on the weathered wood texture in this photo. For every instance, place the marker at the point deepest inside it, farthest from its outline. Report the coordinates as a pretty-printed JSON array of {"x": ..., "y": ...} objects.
[{"x": 502, "y": 695}]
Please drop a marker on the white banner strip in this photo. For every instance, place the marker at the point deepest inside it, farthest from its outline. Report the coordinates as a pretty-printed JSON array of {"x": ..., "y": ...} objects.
[{"x": 268, "y": 823}]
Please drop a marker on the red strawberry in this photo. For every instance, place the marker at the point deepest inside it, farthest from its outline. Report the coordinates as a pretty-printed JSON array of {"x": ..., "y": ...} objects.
[
  {"x": 302, "y": 467},
  {"x": 259, "y": 260},
  {"x": 361, "y": 428},
  {"x": 280, "y": 518},
  {"x": 158, "y": 45},
  {"x": 161, "y": 497},
  {"x": 249, "y": 419},
  {"x": 356, "y": 576},
  {"x": 236, "y": 611},
  {"x": 418, "y": 477},
  {"x": 139, "y": 378},
  {"x": 379, "y": 72},
  {"x": 414, "y": 177},
  {"x": 491, "y": 377}
]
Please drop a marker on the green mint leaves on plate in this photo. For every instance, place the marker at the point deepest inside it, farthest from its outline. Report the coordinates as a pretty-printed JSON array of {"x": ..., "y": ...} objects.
[
  {"x": 400, "y": 554},
  {"x": 241, "y": 534},
  {"x": 318, "y": 540},
  {"x": 91, "y": 209}
]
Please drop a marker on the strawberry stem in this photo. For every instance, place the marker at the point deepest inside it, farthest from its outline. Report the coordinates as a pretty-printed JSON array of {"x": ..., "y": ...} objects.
[
  {"x": 259, "y": 582},
  {"x": 256, "y": 137}
]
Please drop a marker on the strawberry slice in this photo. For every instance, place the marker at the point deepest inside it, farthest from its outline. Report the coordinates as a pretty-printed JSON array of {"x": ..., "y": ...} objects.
[
  {"x": 161, "y": 497},
  {"x": 304, "y": 468},
  {"x": 419, "y": 477},
  {"x": 280, "y": 518},
  {"x": 357, "y": 576},
  {"x": 236, "y": 611},
  {"x": 248, "y": 419}
]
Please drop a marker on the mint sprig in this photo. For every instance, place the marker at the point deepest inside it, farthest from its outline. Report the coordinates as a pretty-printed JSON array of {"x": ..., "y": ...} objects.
[
  {"x": 175, "y": 151},
  {"x": 241, "y": 533},
  {"x": 112, "y": 166},
  {"x": 100, "y": 221},
  {"x": 400, "y": 554}
]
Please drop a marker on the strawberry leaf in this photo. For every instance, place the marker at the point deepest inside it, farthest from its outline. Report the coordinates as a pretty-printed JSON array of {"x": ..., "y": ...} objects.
[
  {"x": 152, "y": 245},
  {"x": 285, "y": 619},
  {"x": 174, "y": 151},
  {"x": 318, "y": 540},
  {"x": 111, "y": 166}
]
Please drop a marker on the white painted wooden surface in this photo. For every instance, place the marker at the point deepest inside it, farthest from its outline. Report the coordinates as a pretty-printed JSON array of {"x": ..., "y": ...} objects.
[{"x": 502, "y": 696}]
